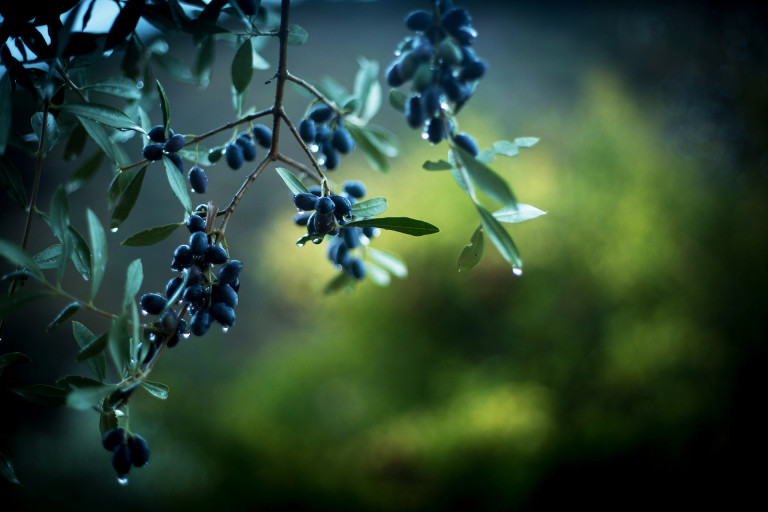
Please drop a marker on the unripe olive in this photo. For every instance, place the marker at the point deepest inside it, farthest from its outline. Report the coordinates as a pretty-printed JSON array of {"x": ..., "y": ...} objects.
[
  {"x": 449, "y": 52},
  {"x": 424, "y": 77}
]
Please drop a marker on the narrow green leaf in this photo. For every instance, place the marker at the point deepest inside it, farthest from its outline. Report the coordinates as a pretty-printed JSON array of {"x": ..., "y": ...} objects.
[
  {"x": 19, "y": 257},
  {"x": 296, "y": 35},
  {"x": 98, "y": 251},
  {"x": 152, "y": 235},
  {"x": 133, "y": 279},
  {"x": 175, "y": 67},
  {"x": 124, "y": 23},
  {"x": 42, "y": 394},
  {"x": 485, "y": 178},
  {"x": 100, "y": 137},
  {"x": 397, "y": 99},
  {"x": 506, "y": 148},
  {"x": 501, "y": 240},
  {"x": 526, "y": 142},
  {"x": 60, "y": 225},
  {"x": 51, "y": 131},
  {"x": 461, "y": 176},
  {"x": 400, "y": 224},
  {"x": 472, "y": 252},
  {"x": 384, "y": 140},
  {"x": 135, "y": 329},
  {"x": 374, "y": 154},
  {"x": 197, "y": 154},
  {"x": 64, "y": 315},
  {"x": 242, "y": 66},
  {"x": 389, "y": 261},
  {"x": 165, "y": 107},
  {"x": 178, "y": 183},
  {"x": 85, "y": 172},
  {"x": 81, "y": 253},
  {"x": 290, "y": 179},
  {"x": 440, "y": 165},
  {"x": 378, "y": 275},
  {"x": 205, "y": 59},
  {"x": 86, "y": 398},
  {"x": 6, "y": 103},
  {"x": 6, "y": 466},
  {"x": 91, "y": 349},
  {"x": 128, "y": 199},
  {"x": 522, "y": 213},
  {"x": 155, "y": 389},
  {"x": 11, "y": 359},
  {"x": 340, "y": 282},
  {"x": 486, "y": 156},
  {"x": 11, "y": 182},
  {"x": 75, "y": 143},
  {"x": 120, "y": 182},
  {"x": 120, "y": 86},
  {"x": 367, "y": 89},
  {"x": 49, "y": 257},
  {"x": 119, "y": 344},
  {"x": 77, "y": 381},
  {"x": 104, "y": 114},
  {"x": 369, "y": 207}
]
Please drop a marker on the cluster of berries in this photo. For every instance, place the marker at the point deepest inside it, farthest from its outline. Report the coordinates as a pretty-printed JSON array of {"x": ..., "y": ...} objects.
[
  {"x": 440, "y": 64},
  {"x": 324, "y": 132},
  {"x": 127, "y": 450},
  {"x": 328, "y": 218},
  {"x": 244, "y": 147},
  {"x": 170, "y": 147},
  {"x": 208, "y": 296}
]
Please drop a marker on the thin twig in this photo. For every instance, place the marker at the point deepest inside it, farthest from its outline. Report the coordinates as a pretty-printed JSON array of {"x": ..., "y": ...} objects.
[
  {"x": 303, "y": 145},
  {"x": 311, "y": 88},
  {"x": 300, "y": 167}
]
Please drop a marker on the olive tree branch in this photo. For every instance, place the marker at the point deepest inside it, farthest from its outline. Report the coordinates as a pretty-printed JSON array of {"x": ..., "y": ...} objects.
[{"x": 312, "y": 89}]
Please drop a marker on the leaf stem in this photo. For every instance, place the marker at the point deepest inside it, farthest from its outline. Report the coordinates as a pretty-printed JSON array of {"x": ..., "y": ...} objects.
[{"x": 312, "y": 89}]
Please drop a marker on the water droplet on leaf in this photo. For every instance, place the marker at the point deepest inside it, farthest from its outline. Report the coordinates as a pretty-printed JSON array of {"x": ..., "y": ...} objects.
[{"x": 122, "y": 480}]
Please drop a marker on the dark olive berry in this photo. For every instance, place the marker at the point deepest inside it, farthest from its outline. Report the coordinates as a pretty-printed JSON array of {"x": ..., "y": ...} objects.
[
  {"x": 301, "y": 218},
  {"x": 173, "y": 285},
  {"x": 223, "y": 314},
  {"x": 201, "y": 210},
  {"x": 343, "y": 141},
  {"x": 200, "y": 323},
  {"x": 394, "y": 75},
  {"x": 194, "y": 294},
  {"x": 457, "y": 90},
  {"x": 431, "y": 100},
  {"x": 224, "y": 293},
  {"x": 195, "y": 223},
  {"x": 370, "y": 232},
  {"x": 157, "y": 133},
  {"x": 322, "y": 133},
  {"x": 444, "y": 5},
  {"x": 113, "y": 437},
  {"x": 153, "y": 151},
  {"x": 182, "y": 257},
  {"x": 473, "y": 70},
  {"x": 153, "y": 303},
  {"x": 324, "y": 223},
  {"x": 198, "y": 180},
  {"x": 121, "y": 459},
  {"x": 263, "y": 135},
  {"x": 307, "y": 131},
  {"x": 214, "y": 155},
  {"x": 355, "y": 267},
  {"x": 215, "y": 255},
  {"x": 331, "y": 158},
  {"x": 316, "y": 189},
  {"x": 306, "y": 202},
  {"x": 311, "y": 230},
  {"x": 230, "y": 271},
  {"x": 351, "y": 237},
  {"x": 320, "y": 113},
  {"x": 247, "y": 146},
  {"x": 355, "y": 188},
  {"x": 456, "y": 18},
  {"x": 174, "y": 143},
  {"x": 325, "y": 205},
  {"x": 467, "y": 143},
  {"x": 198, "y": 243},
  {"x": 176, "y": 159},
  {"x": 414, "y": 112},
  {"x": 139, "y": 450},
  {"x": 234, "y": 156},
  {"x": 418, "y": 20},
  {"x": 465, "y": 35},
  {"x": 338, "y": 253},
  {"x": 343, "y": 207},
  {"x": 435, "y": 130}
]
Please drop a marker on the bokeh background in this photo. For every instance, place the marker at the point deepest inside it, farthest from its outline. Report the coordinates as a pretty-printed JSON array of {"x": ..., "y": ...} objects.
[{"x": 624, "y": 368}]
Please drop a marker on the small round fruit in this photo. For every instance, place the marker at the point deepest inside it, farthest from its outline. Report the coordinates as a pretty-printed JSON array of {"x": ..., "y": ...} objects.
[
  {"x": 153, "y": 152},
  {"x": 325, "y": 205},
  {"x": 418, "y": 20},
  {"x": 307, "y": 131},
  {"x": 467, "y": 143},
  {"x": 153, "y": 303},
  {"x": 198, "y": 180},
  {"x": 113, "y": 437},
  {"x": 305, "y": 201},
  {"x": 247, "y": 146},
  {"x": 201, "y": 322},
  {"x": 263, "y": 135},
  {"x": 342, "y": 141},
  {"x": 234, "y": 156},
  {"x": 215, "y": 255},
  {"x": 355, "y": 188},
  {"x": 157, "y": 133},
  {"x": 195, "y": 223},
  {"x": 230, "y": 271},
  {"x": 174, "y": 143},
  {"x": 121, "y": 459},
  {"x": 198, "y": 243},
  {"x": 320, "y": 113}
]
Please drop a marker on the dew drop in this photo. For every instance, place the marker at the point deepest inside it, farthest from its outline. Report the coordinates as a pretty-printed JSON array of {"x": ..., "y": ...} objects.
[
  {"x": 313, "y": 147},
  {"x": 140, "y": 84},
  {"x": 300, "y": 244},
  {"x": 444, "y": 106},
  {"x": 424, "y": 135},
  {"x": 119, "y": 413},
  {"x": 186, "y": 335},
  {"x": 152, "y": 337},
  {"x": 300, "y": 211},
  {"x": 225, "y": 329},
  {"x": 122, "y": 480},
  {"x": 144, "y": 312},
  {"x": 517, "y": 271},
  {"x": 113, "y": 230}
]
